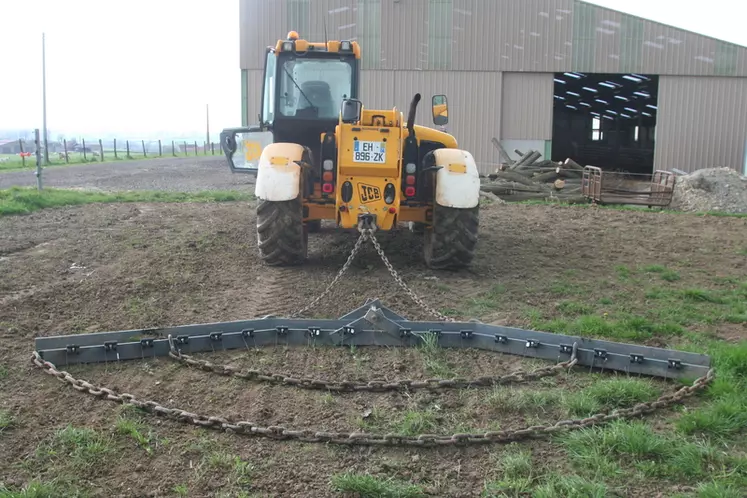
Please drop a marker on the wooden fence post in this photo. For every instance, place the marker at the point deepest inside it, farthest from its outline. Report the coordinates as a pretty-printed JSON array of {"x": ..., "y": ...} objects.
[
  {"x": 101, "y": 149},
  {"x": 173, "y": 149},
  {"x": 84, "y": 150},
  {"x": 160, "y": 150},
  {"x": 144, "y": 153},
  {"x": 23, "y": 158},
  {"x": 127, "y": 143},
  {"x": 185, "y": 148},
  {"x": 212, "y": 148},
  {"x": 64, "y": 147},
  {"x": 115, "y": 148}
]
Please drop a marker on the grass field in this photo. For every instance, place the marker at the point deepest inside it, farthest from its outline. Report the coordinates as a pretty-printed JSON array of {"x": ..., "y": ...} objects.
[
  {"x": 669, "y": 280},
  {"x": 23, "y": 200},
  {"x": 15, "y": 163}
]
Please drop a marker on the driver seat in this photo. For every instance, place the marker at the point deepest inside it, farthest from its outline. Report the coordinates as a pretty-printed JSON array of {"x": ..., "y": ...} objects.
[{"x": 320, "y": 95}]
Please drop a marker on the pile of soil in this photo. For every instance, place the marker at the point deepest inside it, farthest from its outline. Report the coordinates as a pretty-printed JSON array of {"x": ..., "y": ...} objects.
[{"x": 713, "y": 189}]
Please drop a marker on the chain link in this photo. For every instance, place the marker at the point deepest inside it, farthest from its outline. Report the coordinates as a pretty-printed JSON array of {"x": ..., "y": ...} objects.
[
  {"x": 334, "y": 281},
  {"x": 373, "y": 385},
  {"x": 370, "y": 234},
  {"x": 361, "y": 438}
]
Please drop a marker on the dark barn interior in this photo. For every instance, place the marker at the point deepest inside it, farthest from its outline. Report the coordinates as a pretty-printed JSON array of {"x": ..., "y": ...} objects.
[{"x": 606, "y": 120}]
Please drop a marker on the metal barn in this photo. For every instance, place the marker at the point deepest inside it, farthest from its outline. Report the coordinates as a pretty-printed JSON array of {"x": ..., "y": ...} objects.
[{"x": 564, "y": 77}]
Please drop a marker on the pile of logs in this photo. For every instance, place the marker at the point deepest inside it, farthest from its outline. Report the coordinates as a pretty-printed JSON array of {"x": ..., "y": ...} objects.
[{"x": 531, "y": 178}]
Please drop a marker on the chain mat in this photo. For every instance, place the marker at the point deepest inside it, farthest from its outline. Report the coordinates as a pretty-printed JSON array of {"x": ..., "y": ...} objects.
[{"x": 361, "y": 438}]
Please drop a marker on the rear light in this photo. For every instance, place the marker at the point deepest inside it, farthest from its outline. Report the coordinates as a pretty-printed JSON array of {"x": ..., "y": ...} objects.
[
  {"x": 410, "y": 168},
  {"x": 410, "y": 191},
  {"x": 328, "y": 165},
  {"x": 328, "y": 188},
  {"x": 328, "y": 176},
  {"x": 410, "y": 180},
  {"x": 392, "y": 210}
]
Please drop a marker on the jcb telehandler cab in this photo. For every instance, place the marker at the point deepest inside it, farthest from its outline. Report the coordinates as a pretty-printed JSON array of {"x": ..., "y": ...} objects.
[{"x": 319, "y": 154}]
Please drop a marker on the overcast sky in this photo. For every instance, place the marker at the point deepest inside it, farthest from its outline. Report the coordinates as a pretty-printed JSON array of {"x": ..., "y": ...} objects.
[{"x": 149, "y": 66}]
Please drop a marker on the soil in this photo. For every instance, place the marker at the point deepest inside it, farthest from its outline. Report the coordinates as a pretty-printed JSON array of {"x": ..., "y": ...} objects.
[{"x": 116, "y": 267}]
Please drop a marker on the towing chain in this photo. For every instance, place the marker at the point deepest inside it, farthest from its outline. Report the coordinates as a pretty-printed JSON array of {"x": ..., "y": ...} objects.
[
  {"x": 360, "y": 438},
  {"x": 367, "y": 233}
]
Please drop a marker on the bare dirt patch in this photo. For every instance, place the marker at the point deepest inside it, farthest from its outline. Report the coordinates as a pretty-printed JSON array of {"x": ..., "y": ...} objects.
[{"x": 115, "y": 267}]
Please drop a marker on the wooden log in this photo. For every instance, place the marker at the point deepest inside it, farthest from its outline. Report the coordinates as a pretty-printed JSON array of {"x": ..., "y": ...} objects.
[
  {"x": 502, "y": 152},
  {"x": 530, "y": 158},
  {"x": 551, "y": 176},
  {"x": 570, "y": 163},
  {"x": 499, "y": 188},
  {"x": 522, "y": 159},
  {"x": 513, "y": 176},
  {"x": 559, "y": 184}
]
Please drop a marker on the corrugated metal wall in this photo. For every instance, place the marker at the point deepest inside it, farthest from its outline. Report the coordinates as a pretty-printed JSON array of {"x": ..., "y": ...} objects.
[
  {"x": 701, "y": 123},
  {"x": 490, "y": 35},
  {"x": 527, "y": 106}
]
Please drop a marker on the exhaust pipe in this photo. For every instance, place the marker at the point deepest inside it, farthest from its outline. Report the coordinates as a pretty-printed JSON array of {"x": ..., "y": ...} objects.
[{"x": 411, "y": 114}]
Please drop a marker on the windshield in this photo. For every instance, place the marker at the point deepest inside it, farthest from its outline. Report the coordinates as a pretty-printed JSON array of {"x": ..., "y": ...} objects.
[{"x": 314, "y": 87}]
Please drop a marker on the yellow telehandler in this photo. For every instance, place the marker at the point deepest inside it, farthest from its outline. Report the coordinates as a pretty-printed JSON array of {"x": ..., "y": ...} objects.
[{"x": 319, "y": 154}]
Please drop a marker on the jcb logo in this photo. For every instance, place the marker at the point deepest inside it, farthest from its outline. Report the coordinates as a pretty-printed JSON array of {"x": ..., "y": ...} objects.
[
  {"x": 368, "y": 193},
  {"x": 252, "y": 150}
]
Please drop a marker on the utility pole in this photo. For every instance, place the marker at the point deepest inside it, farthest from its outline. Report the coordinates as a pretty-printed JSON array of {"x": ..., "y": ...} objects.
[
  {"x": 207, "y": 123},
  {"x": 44, "y": 100}
]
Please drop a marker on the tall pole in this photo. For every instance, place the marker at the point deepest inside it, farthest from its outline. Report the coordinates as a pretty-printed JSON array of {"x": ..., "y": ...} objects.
[
  {"x": 207, "y": 123},
  {"x": 44, "y": 100}
]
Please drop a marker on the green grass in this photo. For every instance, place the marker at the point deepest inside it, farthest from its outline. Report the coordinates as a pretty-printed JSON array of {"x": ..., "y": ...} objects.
[
  {"x": 511, "y": 400},
  {"x": 608, "y": 394},
  {"x": 76, "y": 158},
  {"x": 520, "y": 476},
  {"x": 22, "y": 200},
  {"x": 240, "y": 471},
  {"x": 136, "y": 430},
  {"x": 38, "y": 489},
  {"x": 414, "y": 422},
  {"x": 3, "y": 372},
  {"x": 570, "y": 486},
  {"x": 76, "y": 448},
  {"x": 434, "y": 358},
  {"x": 6, "y": 420},
  {"x": 368, "y": 486},
  {"x": 181, "y": 490}
]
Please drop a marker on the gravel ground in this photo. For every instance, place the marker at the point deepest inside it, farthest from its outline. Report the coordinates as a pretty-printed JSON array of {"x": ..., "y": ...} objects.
[
  {"x": 712, "y": 189},
  {"x": 183, "y": 174}
]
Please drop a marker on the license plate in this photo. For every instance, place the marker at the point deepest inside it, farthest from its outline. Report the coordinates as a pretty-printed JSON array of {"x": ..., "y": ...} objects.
[{"x": 369, "y": 152}]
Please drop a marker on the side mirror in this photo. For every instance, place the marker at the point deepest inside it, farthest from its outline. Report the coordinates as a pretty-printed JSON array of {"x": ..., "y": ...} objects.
[
  {"x": 440, "y": 110},
  {"x": 351, "y": 110}
]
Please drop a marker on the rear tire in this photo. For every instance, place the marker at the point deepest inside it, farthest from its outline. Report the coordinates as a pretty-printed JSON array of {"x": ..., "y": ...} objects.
[
  {"x": 450, "y": 242},
  {"x": 281, "y": 235}
]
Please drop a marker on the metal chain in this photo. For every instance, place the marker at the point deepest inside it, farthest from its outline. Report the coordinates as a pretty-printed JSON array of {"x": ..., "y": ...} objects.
[
  {"x": 370, "y": 234},
  {"x": 361, "y": 438},
  {"x": 373, "y": 385},
  {"x": 334, "y": 281}
]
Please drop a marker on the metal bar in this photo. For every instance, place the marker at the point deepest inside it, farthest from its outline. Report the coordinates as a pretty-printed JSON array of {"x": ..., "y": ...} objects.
[{"x": 370, "y": 325}]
